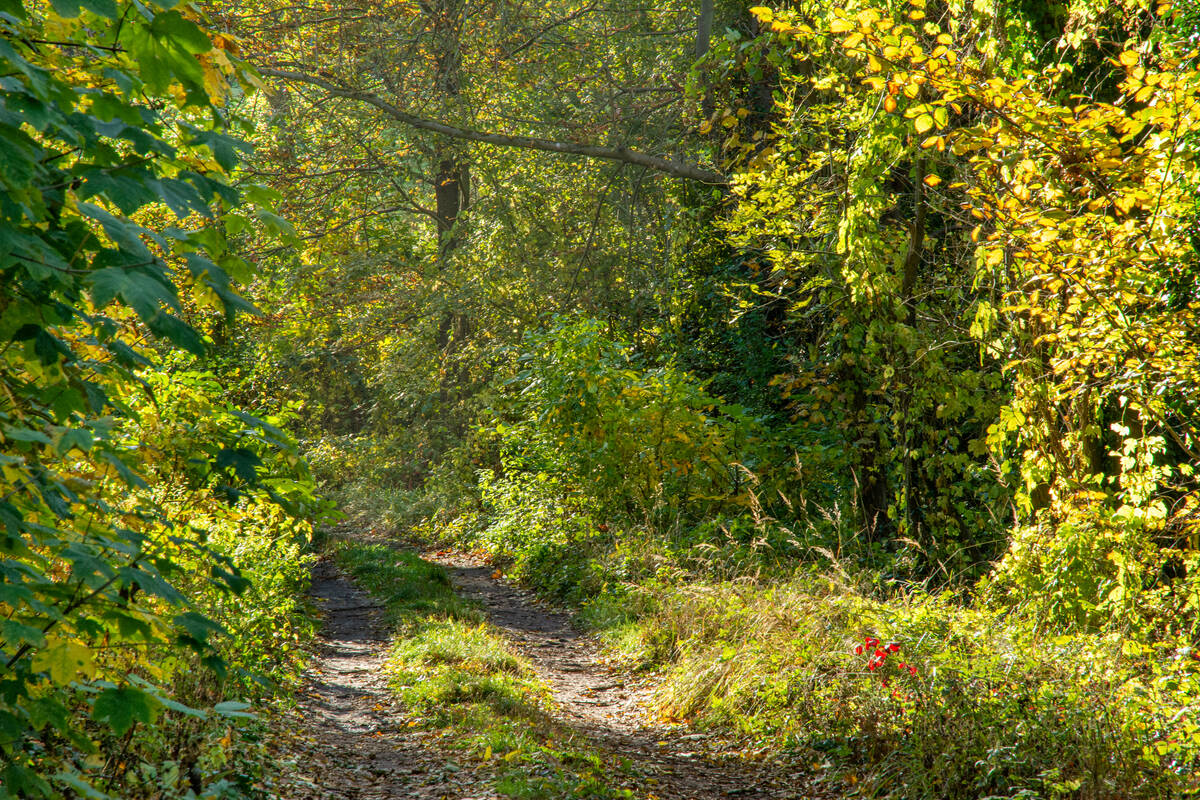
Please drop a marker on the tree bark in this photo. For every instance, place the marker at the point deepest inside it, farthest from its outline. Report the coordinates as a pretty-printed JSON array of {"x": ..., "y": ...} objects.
[{"x": 704, "y": 28}]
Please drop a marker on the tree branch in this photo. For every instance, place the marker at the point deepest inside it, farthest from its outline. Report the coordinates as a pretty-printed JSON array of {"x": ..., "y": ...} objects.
[{"x": 623, "y": 154}]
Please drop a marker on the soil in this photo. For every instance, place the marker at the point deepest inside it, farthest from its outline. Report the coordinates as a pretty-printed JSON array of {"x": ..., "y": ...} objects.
[
  {"x": 355, "y": 743},
  {"x": 352, "y": 741}
]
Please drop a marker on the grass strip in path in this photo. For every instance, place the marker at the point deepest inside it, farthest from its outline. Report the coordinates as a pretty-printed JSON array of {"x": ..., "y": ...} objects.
[
  {"x": 457, "y": 675},
  {"x": 518, "y": 691}
]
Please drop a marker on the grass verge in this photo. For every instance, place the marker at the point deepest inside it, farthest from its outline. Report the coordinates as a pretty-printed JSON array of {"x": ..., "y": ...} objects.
[
  {"x": 923, "y": 696},
  {"x": 972, "y": 700}
]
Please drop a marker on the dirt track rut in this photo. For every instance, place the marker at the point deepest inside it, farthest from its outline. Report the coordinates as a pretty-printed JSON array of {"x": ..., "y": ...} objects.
[{"x": 354, "y": 743}]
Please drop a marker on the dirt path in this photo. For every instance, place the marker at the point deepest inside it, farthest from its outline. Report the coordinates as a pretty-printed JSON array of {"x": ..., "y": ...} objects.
[
  {"x": 609, "y": 705},
  {"x": 355, "y": 744}
]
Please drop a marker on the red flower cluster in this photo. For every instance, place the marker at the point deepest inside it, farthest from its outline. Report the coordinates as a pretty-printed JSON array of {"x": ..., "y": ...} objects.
[{"x": 879, "y": 653}]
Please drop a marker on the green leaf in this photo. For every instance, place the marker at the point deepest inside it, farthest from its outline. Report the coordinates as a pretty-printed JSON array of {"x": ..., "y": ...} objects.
[
  {"x": 18, "y": 158},
  {"x": 104, "y": 8},
  {"x": 182, "y": 198},
  {"x": 224, "y": 147},
  {"x": 27, "y": 435},
  {"x": 143, "y": 291},
  {"x": 14, "y": 634},
  {"x": 63, "y": 660},
  {"x": 128, "y": 192},
  {"x": 120, "y": 708},
  {"x": 198, "y": 627},
  {"x": 80, "y": 787},
  {"x": 66, "y": 8},
  {"x": 234, "y": 709},
  {"x": 243, "y": 462},
  {"x": 172, "y": 25},
  {"x": 162, "y": 60},
  {"x": 71, "y": 8}
]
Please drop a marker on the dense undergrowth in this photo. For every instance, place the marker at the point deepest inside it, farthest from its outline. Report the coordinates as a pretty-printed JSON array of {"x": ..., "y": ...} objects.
[
  {"x": 152, "y": 532},
  {"x": 923, "y": 694}
]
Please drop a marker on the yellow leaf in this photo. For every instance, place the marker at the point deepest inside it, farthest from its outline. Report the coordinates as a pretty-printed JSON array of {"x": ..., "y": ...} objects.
[
  {"x": 916, "y": 15},
  {"x": 763, "y": 13},
  {"x": 64, "y": 660},
  {"x": 889, "y": 104},
  {"x": 1128, "y": 58},
  {"x": 932, "y": 180},
  {"x": 924, "y": 123},
  {"x": 840, "y": 25}
]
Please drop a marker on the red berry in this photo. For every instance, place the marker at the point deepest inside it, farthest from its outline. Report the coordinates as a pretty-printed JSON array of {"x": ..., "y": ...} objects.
[
  {"x": 858, "y": 650},
  {"x": 903, "y": 665},
  {"x": 880, "y": 655},
  {"x": 912, "y": 670},
  {"x": 893, "y": 648}
]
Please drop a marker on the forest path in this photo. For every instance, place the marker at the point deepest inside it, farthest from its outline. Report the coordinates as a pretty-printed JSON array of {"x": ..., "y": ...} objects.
[
  {"x": 355, "y": 743},
  {"x": 608, "y": 705}
]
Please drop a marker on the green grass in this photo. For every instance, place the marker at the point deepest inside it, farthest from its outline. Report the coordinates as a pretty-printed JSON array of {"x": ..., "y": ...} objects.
[
  {"x": 454, "y": 673},
  {"x": 996, "y": 709}
]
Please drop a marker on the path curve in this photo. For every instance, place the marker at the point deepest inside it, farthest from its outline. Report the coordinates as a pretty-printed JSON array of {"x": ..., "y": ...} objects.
[
  {"x": 608, "y": 704},
  {"x": 353, "y": 742}
]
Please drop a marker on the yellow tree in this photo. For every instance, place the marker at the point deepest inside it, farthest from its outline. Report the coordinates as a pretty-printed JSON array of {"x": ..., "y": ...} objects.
[{"x": 1086, "y": 232}]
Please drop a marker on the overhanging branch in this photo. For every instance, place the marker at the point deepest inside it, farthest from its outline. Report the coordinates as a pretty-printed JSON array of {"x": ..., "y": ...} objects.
[{"x": 624, "y": 154}]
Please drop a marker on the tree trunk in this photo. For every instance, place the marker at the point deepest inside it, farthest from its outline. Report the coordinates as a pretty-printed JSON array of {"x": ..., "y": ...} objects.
[{"x": 704, "y": 28}]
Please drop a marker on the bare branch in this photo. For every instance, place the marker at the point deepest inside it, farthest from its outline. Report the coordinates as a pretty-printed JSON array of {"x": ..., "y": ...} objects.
[{"x": 623, "y": 154}]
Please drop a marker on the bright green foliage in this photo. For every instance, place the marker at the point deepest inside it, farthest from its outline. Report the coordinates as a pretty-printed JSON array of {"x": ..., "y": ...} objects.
[
  {"x": 592, "y": 437},
  {"x": 1082, "y": 208},
  {"x": 115, "y": 199},
  {"x": 645, "y": 440},
  {"x": 843, "y": 228}
]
